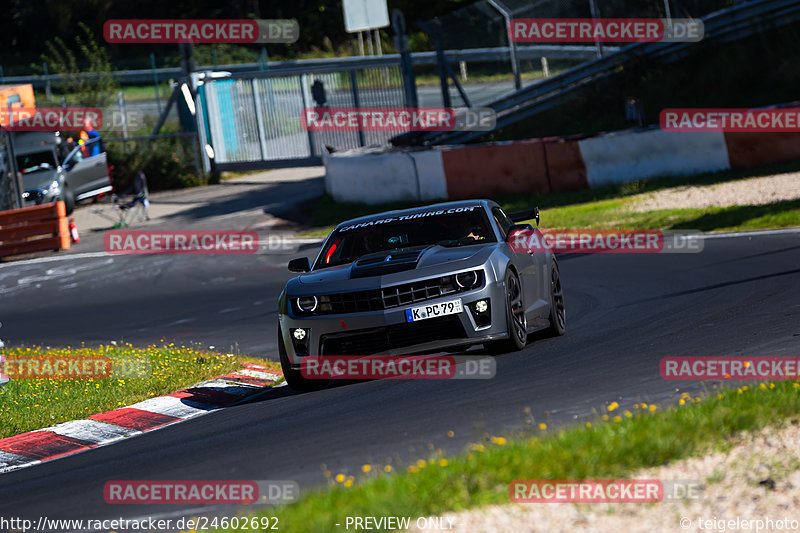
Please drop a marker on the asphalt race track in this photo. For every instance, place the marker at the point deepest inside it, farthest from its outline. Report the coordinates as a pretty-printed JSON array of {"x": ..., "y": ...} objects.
[{"x": 740, "y": 296}]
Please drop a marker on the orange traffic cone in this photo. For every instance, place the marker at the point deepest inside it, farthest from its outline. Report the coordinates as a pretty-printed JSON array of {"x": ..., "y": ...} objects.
[{"x": 73, "y": 231}]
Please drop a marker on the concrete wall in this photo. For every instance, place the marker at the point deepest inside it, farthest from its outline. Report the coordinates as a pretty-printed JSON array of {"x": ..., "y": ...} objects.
[
  {"x": 636, "y": 155},
  {"x": 539, "y": 166}
]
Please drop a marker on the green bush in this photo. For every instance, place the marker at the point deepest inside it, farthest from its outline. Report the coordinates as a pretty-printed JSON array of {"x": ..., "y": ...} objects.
[{"x": 167, "y": 163}]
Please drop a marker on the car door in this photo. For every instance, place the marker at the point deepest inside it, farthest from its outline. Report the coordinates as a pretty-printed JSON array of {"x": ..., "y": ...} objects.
[
  {"x": 86, "y": 174},
  {"x": 529, "y": 267}
]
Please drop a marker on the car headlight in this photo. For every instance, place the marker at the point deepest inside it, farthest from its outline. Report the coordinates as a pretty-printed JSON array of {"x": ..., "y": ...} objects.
[
  {"x": 53, "y": 187},
  {"x": 467, "y": 280},
  {"x": 307, "y": 304}
]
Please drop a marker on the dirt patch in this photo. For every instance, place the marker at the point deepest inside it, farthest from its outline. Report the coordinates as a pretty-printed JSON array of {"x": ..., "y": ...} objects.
[{"x": 750, "y": 191}]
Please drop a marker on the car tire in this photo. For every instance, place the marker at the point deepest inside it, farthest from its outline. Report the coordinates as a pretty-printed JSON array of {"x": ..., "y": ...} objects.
[
  {"x": 68, "y": 197},
  {"x": 516, "y": 322},
  {"x": 558, "y": 313},
  {"x": 293, "y": 377}
]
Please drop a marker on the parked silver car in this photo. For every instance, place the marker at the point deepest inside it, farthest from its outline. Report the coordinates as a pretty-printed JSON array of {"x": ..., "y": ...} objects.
[{"x": 49, "y": 177}]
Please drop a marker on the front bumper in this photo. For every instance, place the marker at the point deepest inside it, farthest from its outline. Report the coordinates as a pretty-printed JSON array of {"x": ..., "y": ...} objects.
[
  {"x": 40, "y": 196},
  {"x": 388, "y": 332}
]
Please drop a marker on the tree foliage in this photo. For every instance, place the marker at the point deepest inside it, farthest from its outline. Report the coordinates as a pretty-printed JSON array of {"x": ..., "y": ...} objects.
[
  {"x": 26, "y": 25},
  {"x": 96, "y": 90}
]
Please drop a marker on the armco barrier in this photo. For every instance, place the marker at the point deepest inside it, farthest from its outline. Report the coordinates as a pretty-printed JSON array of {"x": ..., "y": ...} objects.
[
  {"x": 632, "y": 155},
  {"x": 516, "y": 167},
  {"x": 34, "y": 229},
  {"x": 753, "y": 149}
]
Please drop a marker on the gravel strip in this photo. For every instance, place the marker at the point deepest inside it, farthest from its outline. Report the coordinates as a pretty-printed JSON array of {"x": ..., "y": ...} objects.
[
  {"x": 750, "y": 191},
  {"x": 757, "y": 479}
]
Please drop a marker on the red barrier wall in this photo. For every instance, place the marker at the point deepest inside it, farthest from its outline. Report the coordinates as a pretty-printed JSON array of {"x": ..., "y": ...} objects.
[
  {"x": 565, "y": 166},
  {"x": 753, "y": 149},
  {"x": 485, "y": 170}
]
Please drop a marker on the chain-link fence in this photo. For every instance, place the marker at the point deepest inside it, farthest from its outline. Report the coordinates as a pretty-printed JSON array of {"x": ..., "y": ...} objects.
[{"x": 256, "y": 118}]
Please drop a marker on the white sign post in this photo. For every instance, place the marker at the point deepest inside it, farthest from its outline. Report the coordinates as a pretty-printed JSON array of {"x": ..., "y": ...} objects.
[{"x": 365, "y": 15}]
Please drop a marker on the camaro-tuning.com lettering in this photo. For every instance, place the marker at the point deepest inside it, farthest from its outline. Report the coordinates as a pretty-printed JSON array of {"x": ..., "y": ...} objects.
[{"x": 450, "y": 211}]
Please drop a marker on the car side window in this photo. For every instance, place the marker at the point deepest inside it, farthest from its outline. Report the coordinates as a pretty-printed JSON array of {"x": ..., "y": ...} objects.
[{"x": 502, "y": 220}]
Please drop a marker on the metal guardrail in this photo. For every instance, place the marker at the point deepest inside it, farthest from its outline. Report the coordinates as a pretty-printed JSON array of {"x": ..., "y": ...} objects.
[
  {"x": 333, "y": 64},
  {"x": 739, "y": 21}
]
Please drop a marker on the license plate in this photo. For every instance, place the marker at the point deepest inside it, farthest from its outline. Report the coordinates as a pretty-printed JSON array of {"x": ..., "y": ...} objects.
[{"x": 450, "y": 307}]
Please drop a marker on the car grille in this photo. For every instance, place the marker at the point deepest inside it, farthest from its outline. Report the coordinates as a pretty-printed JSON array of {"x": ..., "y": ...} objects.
[
  {"x": 397, "y": 336},
  {"x": 390, "y": 297},
  {"x": 380, "y": 299}
]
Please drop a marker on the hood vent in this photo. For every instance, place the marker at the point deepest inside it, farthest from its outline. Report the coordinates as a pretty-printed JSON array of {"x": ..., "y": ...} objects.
[{"x": 388, "y": 262}]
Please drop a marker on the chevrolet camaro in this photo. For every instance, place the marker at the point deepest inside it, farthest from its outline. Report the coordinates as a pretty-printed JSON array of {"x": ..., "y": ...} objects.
[{"x": 419, "y": 281}]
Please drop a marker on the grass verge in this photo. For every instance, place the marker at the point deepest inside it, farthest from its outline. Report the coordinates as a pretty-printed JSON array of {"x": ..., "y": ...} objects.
[
  {"x": 138, "y": 374},
  {"x": 609, "y": 207},
  {"x": 614, "y": 446}
]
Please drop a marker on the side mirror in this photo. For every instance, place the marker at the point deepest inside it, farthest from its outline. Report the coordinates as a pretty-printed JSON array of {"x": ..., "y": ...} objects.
[
  {"x": 513, "y": 230},
  {"x": 300, "y": 264}
]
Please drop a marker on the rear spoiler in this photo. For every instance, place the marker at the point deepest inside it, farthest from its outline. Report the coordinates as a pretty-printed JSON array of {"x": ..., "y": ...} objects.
[{"x": 527, "y": 215}]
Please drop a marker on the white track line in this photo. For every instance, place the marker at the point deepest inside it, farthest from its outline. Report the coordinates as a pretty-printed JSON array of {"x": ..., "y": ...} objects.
[
  {"x": 753, "y": 233},
  {"x": 48, "y": 259}
]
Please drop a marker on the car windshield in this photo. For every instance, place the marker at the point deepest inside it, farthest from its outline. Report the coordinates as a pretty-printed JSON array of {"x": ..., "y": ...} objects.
[
  {"x": 35, "y": 162},
  {"x": 459, "y": 226}
]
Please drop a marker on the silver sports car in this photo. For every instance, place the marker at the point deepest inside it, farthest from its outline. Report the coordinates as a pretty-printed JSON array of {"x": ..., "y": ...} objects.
[{"x": 418, "y": 281}]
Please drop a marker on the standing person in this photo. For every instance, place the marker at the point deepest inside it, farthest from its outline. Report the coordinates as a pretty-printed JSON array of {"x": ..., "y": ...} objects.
[
  {"x": 70, "y": 145},
  {"x": 91, "y": 135},
  {"x": 83, "y": 139}
]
